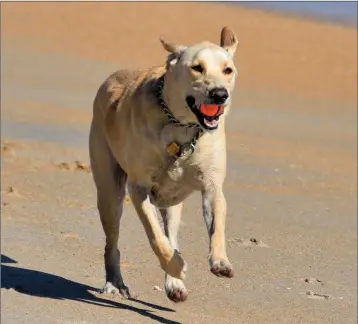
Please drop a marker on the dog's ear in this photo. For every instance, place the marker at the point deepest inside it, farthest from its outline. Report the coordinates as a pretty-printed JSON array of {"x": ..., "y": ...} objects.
[
  {"x": 174, "y": 50},
  {"x": 228, "y": 40}
]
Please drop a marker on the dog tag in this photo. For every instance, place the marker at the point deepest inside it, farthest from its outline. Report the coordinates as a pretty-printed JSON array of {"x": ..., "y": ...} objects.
[
  {"x": 187, "y": 149},
  {"x": 173, "y": 149}
]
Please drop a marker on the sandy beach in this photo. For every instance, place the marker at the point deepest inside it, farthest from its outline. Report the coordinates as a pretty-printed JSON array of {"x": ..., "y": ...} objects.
[{"x": 291, "y": 186}]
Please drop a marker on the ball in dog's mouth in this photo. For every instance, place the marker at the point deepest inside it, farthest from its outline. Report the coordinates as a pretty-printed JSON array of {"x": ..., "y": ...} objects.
[{"x": 207, "y": 114}]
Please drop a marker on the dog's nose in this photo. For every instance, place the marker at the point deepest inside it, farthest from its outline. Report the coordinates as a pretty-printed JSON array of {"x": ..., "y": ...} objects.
[{"x": 218, "y": 95}]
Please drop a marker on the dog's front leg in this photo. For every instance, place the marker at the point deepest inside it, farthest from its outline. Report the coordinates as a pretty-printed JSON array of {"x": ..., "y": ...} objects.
[
  {"x": 174, "y": 288},
  {"x": 214, "y": 210},
  {"x": 170, "y": 259}
]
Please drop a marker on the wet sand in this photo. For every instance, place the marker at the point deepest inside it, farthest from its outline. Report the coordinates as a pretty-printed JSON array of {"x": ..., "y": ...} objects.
[{"x": 291, "y": 186}]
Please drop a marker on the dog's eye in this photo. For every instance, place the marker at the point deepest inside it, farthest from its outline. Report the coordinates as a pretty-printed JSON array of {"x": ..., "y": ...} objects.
[
  {"x": 228, "y": 70},
  {"x": 198, "y": 68}
]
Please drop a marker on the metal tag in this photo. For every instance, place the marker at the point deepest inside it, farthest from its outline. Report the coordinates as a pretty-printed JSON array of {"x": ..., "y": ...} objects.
[
  {"x": 187, "y": 149},
  {"x": 173, "y": 149}
]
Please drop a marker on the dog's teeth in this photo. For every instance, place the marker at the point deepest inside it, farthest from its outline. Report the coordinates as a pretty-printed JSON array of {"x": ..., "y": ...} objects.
[{"x": 210, "y": 122}]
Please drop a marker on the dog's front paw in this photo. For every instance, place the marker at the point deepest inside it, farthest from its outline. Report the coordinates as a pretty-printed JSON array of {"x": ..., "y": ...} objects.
[
  {"x": 176, "y": 267},
  {"x": 221, "y": 268},
  {"x": 175, "y": 289}
]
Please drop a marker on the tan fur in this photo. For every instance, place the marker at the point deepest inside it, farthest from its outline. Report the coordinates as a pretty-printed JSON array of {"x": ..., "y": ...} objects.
[{"x": 128, "y": 144}]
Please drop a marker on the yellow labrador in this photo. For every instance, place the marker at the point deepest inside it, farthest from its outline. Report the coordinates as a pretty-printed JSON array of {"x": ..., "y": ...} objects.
[{"x": 162, "y": 133}]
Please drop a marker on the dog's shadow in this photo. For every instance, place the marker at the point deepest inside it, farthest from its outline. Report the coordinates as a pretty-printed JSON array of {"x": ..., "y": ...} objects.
[{"x": 41, "y": 284}]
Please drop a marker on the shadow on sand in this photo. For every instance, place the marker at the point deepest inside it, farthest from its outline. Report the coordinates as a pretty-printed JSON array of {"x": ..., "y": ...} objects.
[{"x": 41, "y": 284}]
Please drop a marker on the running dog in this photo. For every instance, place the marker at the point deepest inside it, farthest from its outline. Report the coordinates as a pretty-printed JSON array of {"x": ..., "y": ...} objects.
[{"x": 161, "y": 133}]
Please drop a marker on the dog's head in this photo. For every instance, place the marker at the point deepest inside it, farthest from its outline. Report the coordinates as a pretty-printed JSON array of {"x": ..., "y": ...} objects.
[{"x": 200, "y": 80}]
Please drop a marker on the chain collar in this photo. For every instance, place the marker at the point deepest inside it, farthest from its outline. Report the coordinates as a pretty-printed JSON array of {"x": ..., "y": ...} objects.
[{"x": 174, "y": 149}]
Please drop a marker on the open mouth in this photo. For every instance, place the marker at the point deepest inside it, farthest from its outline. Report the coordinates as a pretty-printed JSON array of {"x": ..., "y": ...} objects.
[{"x": 207, "y": 115}]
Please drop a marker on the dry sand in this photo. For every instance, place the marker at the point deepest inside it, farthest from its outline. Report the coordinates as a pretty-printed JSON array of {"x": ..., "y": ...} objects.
[{"x": 291, "y": 185}]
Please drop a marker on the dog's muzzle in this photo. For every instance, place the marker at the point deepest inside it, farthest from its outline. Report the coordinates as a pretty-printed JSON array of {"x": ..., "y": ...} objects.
[{"x": 207, "y": 114}]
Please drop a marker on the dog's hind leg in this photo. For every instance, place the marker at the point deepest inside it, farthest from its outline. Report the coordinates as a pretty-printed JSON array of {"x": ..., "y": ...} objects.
[
  {"x": 170, "y": 260},
  {"x": 110, "y": 181},
  {"x": 174, "y": 288}
]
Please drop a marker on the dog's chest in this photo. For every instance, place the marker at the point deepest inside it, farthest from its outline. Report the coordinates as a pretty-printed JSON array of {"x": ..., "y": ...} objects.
[
  {"x": 178, "y": 170},
  {"x": 178, "y": 173},
  {"x": 173, "y": 182}
]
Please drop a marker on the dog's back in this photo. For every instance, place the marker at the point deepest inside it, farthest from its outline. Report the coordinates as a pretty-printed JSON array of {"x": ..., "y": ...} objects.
[
  {"x": 120, "y": 83},
  {"x": 111, "y": 91}
]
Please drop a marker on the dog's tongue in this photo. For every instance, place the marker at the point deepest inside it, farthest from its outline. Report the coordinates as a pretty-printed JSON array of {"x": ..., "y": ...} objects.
[{"x": 211, "y": 110}]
